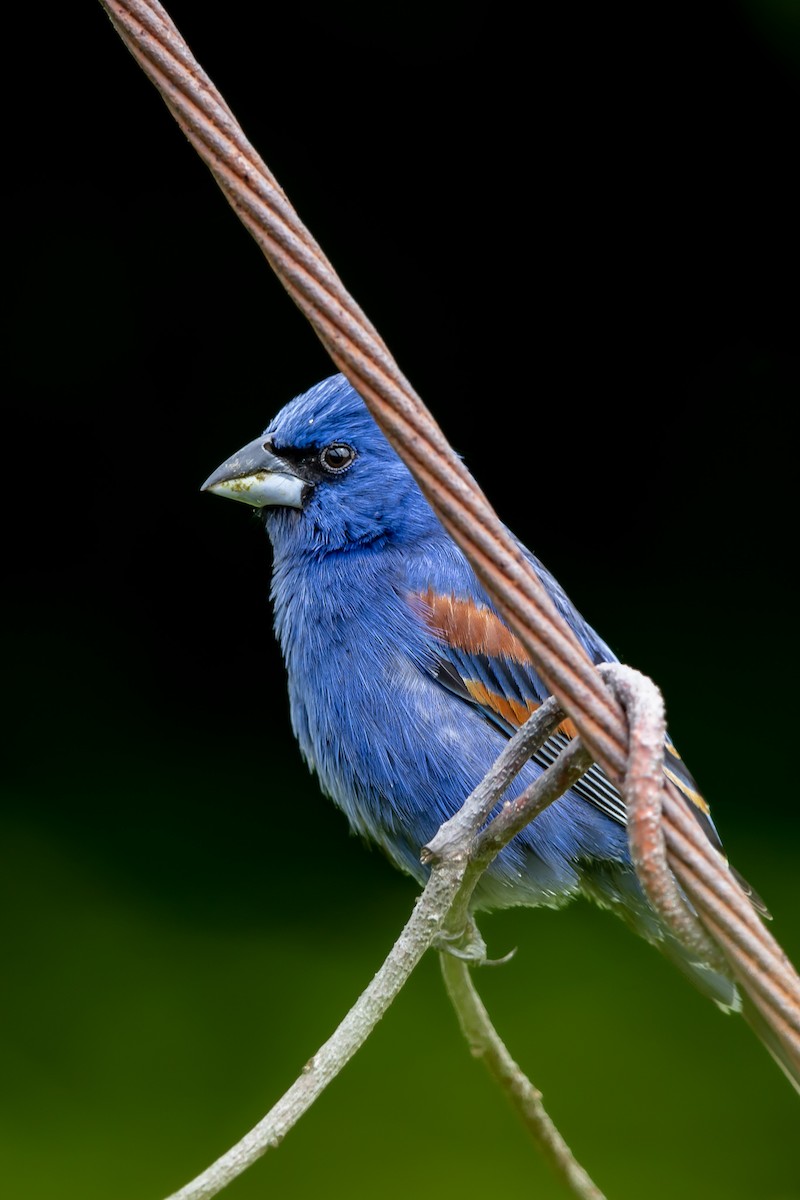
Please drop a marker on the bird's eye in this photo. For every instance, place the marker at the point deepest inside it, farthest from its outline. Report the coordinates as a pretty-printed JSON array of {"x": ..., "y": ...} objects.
[{"x": 337, "y": 457}]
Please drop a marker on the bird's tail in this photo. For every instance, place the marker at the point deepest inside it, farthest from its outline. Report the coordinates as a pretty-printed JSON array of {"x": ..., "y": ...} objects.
[
  {"x": 730, "y": 998},
  {"x": 727, "y": 996},
  {"x": 788, "y": 1061},
  {"x": 712, "y": 983},
  {"x": 608, "y": 885}
]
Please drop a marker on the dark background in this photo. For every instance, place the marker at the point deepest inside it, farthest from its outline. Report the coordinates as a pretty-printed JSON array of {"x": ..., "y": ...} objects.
[{"x": 578, "y": 234}]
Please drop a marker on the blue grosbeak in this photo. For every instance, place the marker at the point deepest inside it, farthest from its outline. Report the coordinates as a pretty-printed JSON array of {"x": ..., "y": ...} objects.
[{"x": 404, "y": 680}]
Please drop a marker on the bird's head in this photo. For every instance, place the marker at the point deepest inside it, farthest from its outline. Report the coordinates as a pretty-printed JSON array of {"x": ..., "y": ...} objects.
[{"x": 323, "y": 472}]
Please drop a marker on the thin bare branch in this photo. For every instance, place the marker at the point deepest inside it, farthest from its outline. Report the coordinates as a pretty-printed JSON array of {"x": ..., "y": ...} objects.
[
  {"x": 432, "y": 915},
  {"x": 515, "y": 814},
  {"x": 526, "y": 1100},
  {"x": 573, "y": 761},
  {"x": 469, "y": 818},
  {"x": 350, "y": 1035}
]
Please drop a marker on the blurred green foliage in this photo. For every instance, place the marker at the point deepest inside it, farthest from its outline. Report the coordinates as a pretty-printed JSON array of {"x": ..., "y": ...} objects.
[{"x": 176, "y": 946}]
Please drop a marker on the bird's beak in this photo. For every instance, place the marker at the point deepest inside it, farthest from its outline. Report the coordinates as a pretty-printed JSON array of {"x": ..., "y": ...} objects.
[{"x": 255, "y": 475}]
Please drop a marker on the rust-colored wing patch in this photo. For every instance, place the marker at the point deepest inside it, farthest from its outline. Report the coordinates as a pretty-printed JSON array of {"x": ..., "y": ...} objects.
[{"x": 472, "y": 628}]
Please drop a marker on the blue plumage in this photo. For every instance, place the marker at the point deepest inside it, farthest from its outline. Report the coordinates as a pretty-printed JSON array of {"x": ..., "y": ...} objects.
[{"x": 403, "y": 678}]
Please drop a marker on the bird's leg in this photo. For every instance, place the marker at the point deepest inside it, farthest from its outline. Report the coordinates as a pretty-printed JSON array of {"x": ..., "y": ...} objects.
[{"x": 467, "y": 943}]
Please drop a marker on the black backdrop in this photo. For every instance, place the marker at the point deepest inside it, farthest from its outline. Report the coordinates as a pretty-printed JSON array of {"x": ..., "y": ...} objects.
[{"x": 578, "y": 235}]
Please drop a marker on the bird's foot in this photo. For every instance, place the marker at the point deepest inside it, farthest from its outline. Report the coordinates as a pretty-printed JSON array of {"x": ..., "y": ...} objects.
[
  {"x": 468, "y": 944},
  {"x": 465, "y": 943}
]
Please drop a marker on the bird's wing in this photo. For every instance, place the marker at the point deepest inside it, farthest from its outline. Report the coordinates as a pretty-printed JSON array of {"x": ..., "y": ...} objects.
[
  {"x": 482, "y": 661},
  {"x": 479, "y": 659}
]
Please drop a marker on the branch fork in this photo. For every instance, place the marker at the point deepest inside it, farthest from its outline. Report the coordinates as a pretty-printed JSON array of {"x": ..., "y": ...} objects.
[{"x": 458, "y": 854}]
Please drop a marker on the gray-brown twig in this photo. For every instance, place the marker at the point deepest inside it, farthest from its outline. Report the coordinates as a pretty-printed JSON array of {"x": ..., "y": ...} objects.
[{"x": 436, "y": 912}]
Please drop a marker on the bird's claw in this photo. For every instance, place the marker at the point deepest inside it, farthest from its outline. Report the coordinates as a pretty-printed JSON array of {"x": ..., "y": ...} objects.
[
  {"x": 468, "y": 945},
  {"x": 461, "y": 946}
]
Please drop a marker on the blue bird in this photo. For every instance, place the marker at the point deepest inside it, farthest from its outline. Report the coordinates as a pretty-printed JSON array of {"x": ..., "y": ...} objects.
[{"x": 404, "y": 680}]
